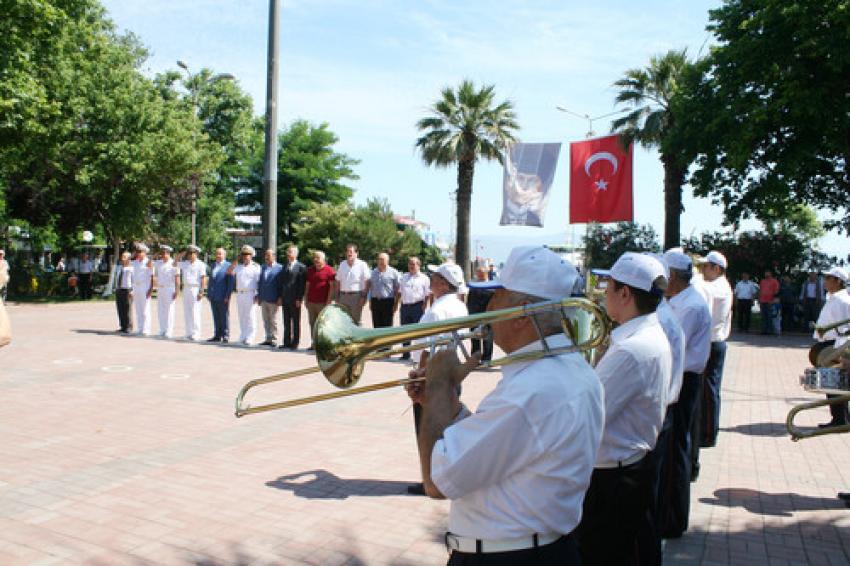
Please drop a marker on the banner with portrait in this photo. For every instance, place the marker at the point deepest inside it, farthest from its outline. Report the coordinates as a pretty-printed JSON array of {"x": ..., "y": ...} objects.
[{"x": 529, "y": 172}]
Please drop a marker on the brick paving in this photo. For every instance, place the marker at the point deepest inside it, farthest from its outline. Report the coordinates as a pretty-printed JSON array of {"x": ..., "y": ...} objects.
[{"x": 124, "y": 450}]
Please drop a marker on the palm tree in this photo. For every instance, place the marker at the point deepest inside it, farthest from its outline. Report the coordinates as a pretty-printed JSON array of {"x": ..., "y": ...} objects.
[
  {"x": 466, "y": 124},
  {"x": 649, "y": 92}
]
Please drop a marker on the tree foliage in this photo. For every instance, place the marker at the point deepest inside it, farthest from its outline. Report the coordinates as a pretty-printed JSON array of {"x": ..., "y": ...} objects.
[
  {"x": 309, "y": 171},
  {"x": 769, "y": 116},
  {"x": 464, "y": 125},
  {"x": 329, "y": 227},
  {"x": 604, "y": 244}
]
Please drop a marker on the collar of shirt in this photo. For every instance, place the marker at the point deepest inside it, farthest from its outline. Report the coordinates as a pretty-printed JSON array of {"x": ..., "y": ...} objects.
[{"x": 631, "y": 327}]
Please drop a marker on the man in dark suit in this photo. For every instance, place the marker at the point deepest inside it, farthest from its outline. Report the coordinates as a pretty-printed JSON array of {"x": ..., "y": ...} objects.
[
  {"x": 219, "y": 289},
  {"x": 293, "y": 279}
]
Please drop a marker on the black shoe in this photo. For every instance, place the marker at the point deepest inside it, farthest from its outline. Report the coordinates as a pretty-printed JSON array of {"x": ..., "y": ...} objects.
[
  {"x": 266, "y": 343},
  {"x": 213, "y": 339},
  {"x": 694, "y": 473},
  {"x": 416, "y": 489},
  {"x": 224, "y": 340},
  {"x": 284, "y": 347},
  {"x": 832, "y": 424}
]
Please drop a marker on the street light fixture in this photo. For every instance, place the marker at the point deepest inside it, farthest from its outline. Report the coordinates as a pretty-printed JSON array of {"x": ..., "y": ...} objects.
[
  {"x": 194, "y": 96},
  {"x": 590, "y": 132}
]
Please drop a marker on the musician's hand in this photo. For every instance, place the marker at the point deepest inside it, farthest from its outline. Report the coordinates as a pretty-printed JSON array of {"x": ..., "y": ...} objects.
[
  {"x": 416, "y": 391},
  {"x": 444, "y": 368}
]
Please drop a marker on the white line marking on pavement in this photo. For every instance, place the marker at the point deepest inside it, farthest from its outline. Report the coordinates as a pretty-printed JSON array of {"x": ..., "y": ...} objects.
[
  {"x": 116, "y": 369},
  {"x": 175, "y": 376}
]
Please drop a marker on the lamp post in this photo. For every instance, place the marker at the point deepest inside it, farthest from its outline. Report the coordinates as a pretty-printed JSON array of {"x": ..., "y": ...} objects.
[
  {"x": 590, "y": 132},
  {"x": 193, "y": 92},
  {"x": 270, "y": 160}
]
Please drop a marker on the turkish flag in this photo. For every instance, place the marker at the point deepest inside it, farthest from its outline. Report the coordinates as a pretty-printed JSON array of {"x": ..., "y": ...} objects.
[{"x": 600, "y": 181}]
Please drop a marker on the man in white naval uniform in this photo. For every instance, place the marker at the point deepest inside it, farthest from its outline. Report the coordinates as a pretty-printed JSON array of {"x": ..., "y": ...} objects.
[
  {"x": 193, "y": 274},
  {"x": 247, "y": 275},
  {"x": 142, "y": 290},
  {"x": 167, "y": 277}
]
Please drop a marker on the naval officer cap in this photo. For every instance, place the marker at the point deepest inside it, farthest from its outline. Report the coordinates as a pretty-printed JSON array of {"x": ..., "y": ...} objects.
[
  {"x": 193, "y": 248},
  {"x": 534, "y": 270},
  {"x": 246, "y": 249},
  {"x": 166, "y": 248},
  {"x": 141, "y": 247}
]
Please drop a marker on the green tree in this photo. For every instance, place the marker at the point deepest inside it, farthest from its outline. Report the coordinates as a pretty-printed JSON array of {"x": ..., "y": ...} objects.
[
  {"x": 648, "y": 93},
  {"x": 604, "y": 244},
  {"x": 329, "y": 227},
  {"x": 309, "y": 171},
  {"x": 466, "y": 124},
  {"x": 770, "y": 117}
]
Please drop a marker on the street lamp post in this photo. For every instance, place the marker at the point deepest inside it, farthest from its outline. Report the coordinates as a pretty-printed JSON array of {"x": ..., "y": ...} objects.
[
  {"x": 196, "y": 180},
  {"x": 270, "y": 160}
]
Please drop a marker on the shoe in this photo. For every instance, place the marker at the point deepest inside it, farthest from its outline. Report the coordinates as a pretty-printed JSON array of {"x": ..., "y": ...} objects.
[
  {"x": 224, "y": 340},
  {"x": 213, "y": 339},
  {"x": 694, "y": 473},
  {"x": 266, "y": 343},
  {"x": 416, "y": 489},
  {"x": 403, "y": 356},
  {"x": 832, "y": 424},
  {"x": 284, "y": 347}
]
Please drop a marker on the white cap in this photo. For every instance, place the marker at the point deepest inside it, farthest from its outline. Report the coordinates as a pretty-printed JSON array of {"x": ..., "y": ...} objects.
[
  {"x": 246, "y": 249},
  {"x": 193, "y": 248},
  {"x": 716, "y": 258},
  {"x": 166, "y": 248},
  {"x": 534, "y": 270},
  {"x": 451, "y": 272},
  {"x": 678, "y": 260},
  {"x": 838, "y": 273},
  {"x": 662, "y": 261},
  {"x": 141, "y": 247},
  {"x": 639, "y": 271}
]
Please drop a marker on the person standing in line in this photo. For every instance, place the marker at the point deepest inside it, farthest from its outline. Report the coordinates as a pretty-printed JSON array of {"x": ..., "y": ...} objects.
[
  {"x": 193, "y": 275},
  {"x": 446, "y": 283},
  {"x": 635, "y": 373},
  {"x": 84, "y": 274},
  {"x": 167, "y": 278},
  {"x": 142, "y": 289},
  {"x": 268, "y": 293},
  {"x": 4, "y": 275},
  {"x": 414, "y": 290},
  {"x": 476, "y": 302},
  {"x": 691, "y": 310},
  {"x": 319, "y": 290},
  {"x": 124, "y": 293},
  {"x": 516, "y": 470},
  {"x": 219, "y": 291},
  {"x": 352, "y": 277},
  {"x": 247, "y": 276},
  {"x": 827, "y": 351},
  {"x": 768, "y": 289},
  {"x": 812, "y": 297},
  {"x": 293, "y": 279},
  {"x": 745, "y": 292},
  {"x": 787, "y": 302},
  {"x": 382, "y": 287},
  {"x": 720, "y": 305}
]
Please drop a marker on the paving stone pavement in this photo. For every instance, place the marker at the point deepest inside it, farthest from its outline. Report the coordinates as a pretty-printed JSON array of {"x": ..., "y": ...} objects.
[{"x": 125, "y": 450}]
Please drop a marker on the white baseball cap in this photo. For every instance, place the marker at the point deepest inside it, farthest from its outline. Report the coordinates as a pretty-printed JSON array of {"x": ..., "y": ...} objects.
[
  {"x": 838, "y": 273},
  {"x": 716, "y": 258},
  {"x": 678, "y": 259},
  {"x": 638, "y": 270},
  {"x": 451, "y": 272},
  {"x": 534, "y": 270},
  {"x": 662, "y": 261}
]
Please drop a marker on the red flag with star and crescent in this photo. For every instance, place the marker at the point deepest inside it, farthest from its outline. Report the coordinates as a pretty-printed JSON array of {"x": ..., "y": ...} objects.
[{"x": 600, "y": 181}]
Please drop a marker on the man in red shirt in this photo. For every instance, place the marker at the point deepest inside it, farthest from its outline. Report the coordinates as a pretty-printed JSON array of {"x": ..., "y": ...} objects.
[
  {"x": 768, "y": 288},
  {"x": 319, "y": 290}
]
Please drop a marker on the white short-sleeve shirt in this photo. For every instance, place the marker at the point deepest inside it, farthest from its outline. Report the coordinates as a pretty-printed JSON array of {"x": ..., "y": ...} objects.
[
  {"x": 634, "y": 372},
  {"x": 522, "y": 462},
  {"x": 142, "y": 272},
  {"x": 447, "y": 306},
  {"x": 192, "y": 272},
  {"x": 414, "y": 288},
  {"x": 166, "y": 273},
  {"x": 836, "y": 309},
  {"x": 353, "y": 278},
  {"x": 247, "y": 276},
  {"x": 695, "y": 319}
]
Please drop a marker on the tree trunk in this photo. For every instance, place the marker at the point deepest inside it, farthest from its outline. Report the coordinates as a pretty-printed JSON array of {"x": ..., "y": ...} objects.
[
  {"x": 674, "y": 177},
  {"x": 465, "y": 171}
]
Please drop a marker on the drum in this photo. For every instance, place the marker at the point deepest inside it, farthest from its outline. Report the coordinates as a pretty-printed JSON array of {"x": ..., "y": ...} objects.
[{"x": 826, "y": 380}]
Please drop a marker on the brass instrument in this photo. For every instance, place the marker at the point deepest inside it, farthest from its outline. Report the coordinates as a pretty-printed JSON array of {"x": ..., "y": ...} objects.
[
  {"x": 821, "y": 330},
  {"x": 342, "y": 347},
  {"x": 832, "y": 381}
]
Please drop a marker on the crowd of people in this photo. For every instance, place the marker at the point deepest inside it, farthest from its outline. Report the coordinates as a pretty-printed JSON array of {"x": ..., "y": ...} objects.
[{"x": 564, "y": 463}]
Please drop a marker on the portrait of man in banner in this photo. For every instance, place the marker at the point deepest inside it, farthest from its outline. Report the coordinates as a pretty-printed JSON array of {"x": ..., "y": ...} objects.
[{"x": 529, "y": 172}]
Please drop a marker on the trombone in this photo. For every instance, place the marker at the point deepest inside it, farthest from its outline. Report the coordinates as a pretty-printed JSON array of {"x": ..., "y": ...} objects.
[
  {"x": 798, "y": 433},
  {"x": 343, "y": 348}
]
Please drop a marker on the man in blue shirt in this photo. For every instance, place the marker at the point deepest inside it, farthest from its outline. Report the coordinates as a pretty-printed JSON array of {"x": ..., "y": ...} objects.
[
  {"x": 268, "y": 295},
  {"x": 219, "y": 289}
]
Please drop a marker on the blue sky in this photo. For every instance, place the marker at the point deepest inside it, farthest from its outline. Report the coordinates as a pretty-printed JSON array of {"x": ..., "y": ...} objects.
[{"x": 371, "y": 69}]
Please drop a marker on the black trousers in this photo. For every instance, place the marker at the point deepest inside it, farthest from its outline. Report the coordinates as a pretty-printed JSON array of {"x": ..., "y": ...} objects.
[
  {"x": 811, "y": 311},
  {"x": 614, "y": 506},
  {"x": 649, "y": 534},
  {"x": 291, "y": 324},
  {"x": 221, "y": 318},
  {"x": 562, "y": 551},
  {"x": 122, "y": 303},
  {"x": 676, "y": 469},
  {"x": 85, "y": 285},
  {"x": 485, "y": 346},
  {"x": 382, "y": 312},
  {"x": 411, "y": 313},
  {"x": 744, "y": 314}
]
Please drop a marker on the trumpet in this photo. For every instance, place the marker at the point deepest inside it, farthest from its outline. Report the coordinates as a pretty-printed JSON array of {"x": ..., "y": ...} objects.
[{"x": 343, "y": 348}]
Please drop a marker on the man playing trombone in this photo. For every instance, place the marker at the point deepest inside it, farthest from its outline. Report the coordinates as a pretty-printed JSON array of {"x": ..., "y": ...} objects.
[
  {"x": 517, "y": 469},
  {"x": 827, "y": 351}
]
